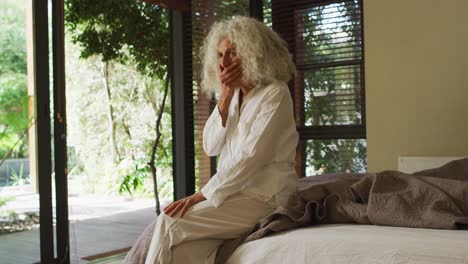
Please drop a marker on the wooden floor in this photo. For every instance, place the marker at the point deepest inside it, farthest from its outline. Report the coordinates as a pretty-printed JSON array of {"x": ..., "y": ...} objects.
[{"x": 87, "y": 237}]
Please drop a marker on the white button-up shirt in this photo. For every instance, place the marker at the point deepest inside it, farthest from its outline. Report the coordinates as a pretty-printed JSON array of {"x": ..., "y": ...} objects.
[{"x": 257, "y": 146}]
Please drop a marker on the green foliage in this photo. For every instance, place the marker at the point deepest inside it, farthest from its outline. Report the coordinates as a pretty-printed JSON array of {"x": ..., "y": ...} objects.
[
  {"x": 13, "y": 81},
  {"x": 127, "y": 31},
  {"x": 13, "y": 102},
  {"x": 13, "y": 114},
  {"x": 130, "y": 39},
  {"x": 5, "y": 200},
  {"x": 17, "y": 178},
  {"x": 135, "y": 180},
  {"x": 12, "y": 37},
  {"x": 136, "y": 99},
  {"x": 336, "y": 155}
]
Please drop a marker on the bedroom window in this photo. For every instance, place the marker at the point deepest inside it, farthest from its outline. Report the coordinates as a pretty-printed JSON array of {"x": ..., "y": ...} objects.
[{"x": 326, "y": 39}]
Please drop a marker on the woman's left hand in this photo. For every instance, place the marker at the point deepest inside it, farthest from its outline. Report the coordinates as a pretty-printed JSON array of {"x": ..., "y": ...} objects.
[{"x": 183, "y": 204}]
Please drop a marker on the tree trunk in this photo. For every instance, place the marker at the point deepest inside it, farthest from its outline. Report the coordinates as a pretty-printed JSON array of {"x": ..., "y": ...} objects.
[
  {"x": 14, "y": 145},
  {"x": 127, "y": 131},
  {"x": 156, "y": 143},
  {"x": 110, "y": 113}
]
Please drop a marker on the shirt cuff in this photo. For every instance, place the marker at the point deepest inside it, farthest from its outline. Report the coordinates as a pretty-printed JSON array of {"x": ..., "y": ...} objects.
[
  {"x": 210, "y": 193},
  {"x": 219, "y": 119},
  {"x": 214, "y": 133},
  {"x": 217, "y": 123}
]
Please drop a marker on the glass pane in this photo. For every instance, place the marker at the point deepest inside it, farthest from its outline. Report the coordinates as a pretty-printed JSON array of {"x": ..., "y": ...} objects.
[
  {"x": 115, "y": 85},
  {"x": 335, "y": 155},
  {"x": 330, "y": 32},
  {"x": 19, "y": 201},
  {"x": 332, "y": 96},
  {"x": 267, "y": 15}
]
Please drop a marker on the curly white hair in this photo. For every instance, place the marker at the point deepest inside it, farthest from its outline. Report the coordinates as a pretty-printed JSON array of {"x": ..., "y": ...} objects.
[{"x": 264, "y": 54}]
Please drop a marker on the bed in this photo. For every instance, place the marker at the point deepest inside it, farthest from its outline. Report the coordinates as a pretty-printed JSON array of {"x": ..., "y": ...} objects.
[
  {"x": 356, "y": 244},
  {"x": 338, "y": 241}
]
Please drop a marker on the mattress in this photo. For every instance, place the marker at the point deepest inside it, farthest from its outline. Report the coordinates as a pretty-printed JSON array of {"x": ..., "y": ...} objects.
[{"x": 356, "y": 244}]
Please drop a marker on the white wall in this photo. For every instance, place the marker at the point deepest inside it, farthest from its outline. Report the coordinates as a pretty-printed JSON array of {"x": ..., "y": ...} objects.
[{"x": 416, "y": 59}]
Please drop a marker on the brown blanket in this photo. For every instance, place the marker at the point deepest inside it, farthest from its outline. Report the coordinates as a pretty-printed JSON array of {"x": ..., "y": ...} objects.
[{"x": 436, "y": 198}]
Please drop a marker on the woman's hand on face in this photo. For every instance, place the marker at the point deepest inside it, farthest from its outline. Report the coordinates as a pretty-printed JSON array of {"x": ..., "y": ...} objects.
[
  {"x": 184, "y": 204},
  {"x": 230, "y": 77}
]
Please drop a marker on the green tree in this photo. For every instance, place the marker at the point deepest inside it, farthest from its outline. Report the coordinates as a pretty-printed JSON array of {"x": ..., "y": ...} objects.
[
  {"x": 13, "y": 115},
  {"x": 126, "y": 31},
  {"x": 13, "y": 80},
  {"x": 13, "y": 37},
  {"x": 126, "y": 34}
]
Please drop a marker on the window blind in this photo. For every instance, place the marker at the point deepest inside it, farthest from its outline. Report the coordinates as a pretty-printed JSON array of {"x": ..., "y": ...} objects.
[{"x": 326, "y": 39}]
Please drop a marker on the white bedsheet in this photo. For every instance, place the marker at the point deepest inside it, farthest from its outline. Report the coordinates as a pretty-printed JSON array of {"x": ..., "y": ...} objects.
[{"x": 356, "y": 244}]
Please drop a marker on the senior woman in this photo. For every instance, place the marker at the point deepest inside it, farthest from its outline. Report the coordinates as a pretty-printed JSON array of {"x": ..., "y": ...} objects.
[{"x": 252, "y": 128}]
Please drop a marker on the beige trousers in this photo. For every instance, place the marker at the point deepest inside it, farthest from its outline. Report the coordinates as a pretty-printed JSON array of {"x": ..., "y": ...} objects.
[{"x": 196, "y": 237}]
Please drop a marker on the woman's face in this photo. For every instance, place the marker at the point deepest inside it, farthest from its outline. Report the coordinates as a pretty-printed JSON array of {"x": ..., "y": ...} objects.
[{"x": 226, "y": 54}]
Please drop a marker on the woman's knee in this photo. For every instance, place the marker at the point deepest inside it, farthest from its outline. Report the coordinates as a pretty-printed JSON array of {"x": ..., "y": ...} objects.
[{"x": 164, "y": 222}]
